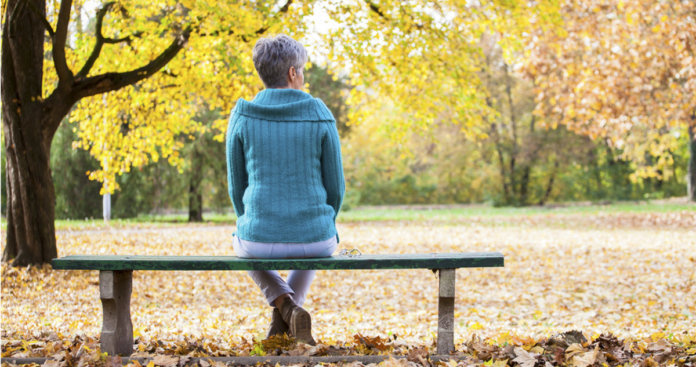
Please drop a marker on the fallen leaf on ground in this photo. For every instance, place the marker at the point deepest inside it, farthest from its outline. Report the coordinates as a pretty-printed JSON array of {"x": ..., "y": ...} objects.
[{"x": 524, "y": 358}]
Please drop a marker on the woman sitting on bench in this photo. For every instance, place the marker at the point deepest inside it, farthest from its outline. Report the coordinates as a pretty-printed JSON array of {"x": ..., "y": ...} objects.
[{"x": 285, "y": 180}]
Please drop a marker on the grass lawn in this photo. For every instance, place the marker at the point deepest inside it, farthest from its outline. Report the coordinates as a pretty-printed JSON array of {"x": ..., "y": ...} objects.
[
  {"x": 462, "y": 211},
  {"x": 447, "y": 213}
]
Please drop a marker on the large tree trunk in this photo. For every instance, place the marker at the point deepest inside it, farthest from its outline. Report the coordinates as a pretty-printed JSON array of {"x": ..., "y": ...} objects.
[
  {"x": 31, "y": 199},
  {"x": 691, "y": 176}
]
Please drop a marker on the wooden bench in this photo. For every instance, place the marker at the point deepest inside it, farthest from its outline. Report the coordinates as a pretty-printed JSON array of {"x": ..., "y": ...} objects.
[{"x": 116, "y": 278}]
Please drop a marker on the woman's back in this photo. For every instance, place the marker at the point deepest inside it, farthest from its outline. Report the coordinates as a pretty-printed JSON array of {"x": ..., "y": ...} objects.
[{"x": 286, "y": 179}]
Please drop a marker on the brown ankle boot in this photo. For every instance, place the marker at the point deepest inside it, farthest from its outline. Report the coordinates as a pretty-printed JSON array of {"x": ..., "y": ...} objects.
[
  {"x": 298, "y": 320},
  {"x": 278, "y": 326}
]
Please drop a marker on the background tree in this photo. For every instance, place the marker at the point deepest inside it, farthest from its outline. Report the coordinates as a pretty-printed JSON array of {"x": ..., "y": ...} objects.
[
  {"x": 422, "y": 62},
  {"x": 333, "y": 90},
  {"x": 205, "y": 163},
  {"x": 77, "y": 197},
  {"x": 623, "y": 72},
  {"x": 424, "y": 57}
]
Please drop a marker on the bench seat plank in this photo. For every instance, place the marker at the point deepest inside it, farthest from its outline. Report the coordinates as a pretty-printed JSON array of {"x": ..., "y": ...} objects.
[{"x": 392, "y": 261}]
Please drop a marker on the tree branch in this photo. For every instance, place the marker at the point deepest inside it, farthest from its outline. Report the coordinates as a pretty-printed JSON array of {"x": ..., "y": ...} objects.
[
  {"x": 126, "y": 39},
  {"x": 376, "y": 9},
  {"x": 43, "y": 19},
  {"x": 99, "y": 43},
  {"x": 60, "y": 36},
  {"x": 113, "y": 81}
]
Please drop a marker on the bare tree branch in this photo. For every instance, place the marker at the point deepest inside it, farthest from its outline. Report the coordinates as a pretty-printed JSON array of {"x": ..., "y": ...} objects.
[
  {"x": 112, "y": 81},
  {"x": 376, "y": 9},
  {"x": 60, "y": 36},
  {"x": 99, "y": 43},
  {"x": 117, "y": 40},
  {"x": 285, "y": 7},
  {"x": 58, "y": 104}
]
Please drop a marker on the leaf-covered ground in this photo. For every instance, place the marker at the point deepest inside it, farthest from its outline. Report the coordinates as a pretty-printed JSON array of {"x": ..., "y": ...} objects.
[{"x": 626, "y": 281}]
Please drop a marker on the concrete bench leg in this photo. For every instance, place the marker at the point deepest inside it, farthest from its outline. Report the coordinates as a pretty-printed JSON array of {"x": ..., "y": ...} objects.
[
  {"x": 445, "y": 309},
  {"x": 117, "y": 330}
]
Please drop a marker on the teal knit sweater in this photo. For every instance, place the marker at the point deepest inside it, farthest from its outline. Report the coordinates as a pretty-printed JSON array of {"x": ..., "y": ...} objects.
[{"x": 284, "y": 168}]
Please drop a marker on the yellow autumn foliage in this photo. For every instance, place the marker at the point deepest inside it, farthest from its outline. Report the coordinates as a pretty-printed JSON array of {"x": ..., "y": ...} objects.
[{"x": 419, "y": 57}]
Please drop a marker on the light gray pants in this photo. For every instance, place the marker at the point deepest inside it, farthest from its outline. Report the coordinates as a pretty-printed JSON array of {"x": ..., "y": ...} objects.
[{"x": 271, "y": 284}]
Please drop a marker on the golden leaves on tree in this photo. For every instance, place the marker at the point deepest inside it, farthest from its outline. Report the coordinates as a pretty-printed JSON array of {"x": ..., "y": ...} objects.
[{"x": 143, "y": 123}]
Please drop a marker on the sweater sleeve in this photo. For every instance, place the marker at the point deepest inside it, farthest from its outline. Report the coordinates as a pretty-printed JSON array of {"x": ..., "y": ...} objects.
[
  {"x": 237, "y": 179},
  {"x": 332, "y": 168}
]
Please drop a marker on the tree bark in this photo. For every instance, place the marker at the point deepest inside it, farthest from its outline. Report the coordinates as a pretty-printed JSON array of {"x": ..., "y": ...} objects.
[
  {"x": 31, "y": 199},
  {"x": 524, "y": 185},
  {"x": 195, "y": 189},
  {"x": 501, "y": 162},
  {"x": 527, "y": 171},
  {"x": 549, "y": 186},
  {"x": 596, "y": 171},
  {"x": 691, "y": 176}
]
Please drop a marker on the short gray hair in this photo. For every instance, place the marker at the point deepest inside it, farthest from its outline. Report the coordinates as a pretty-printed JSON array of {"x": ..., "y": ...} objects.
[{"x": 274, "y": 56}]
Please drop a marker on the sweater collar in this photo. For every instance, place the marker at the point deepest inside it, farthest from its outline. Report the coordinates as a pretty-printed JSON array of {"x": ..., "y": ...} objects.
[
  {"x": 284, "y": 105},
  {"x": 272, "y": 97}
]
